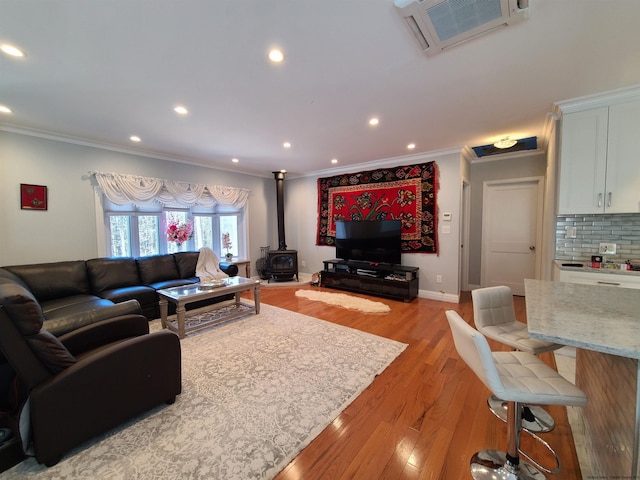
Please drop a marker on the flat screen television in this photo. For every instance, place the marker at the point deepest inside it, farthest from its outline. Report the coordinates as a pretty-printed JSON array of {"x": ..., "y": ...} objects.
[{"x": 369, "y": 240}]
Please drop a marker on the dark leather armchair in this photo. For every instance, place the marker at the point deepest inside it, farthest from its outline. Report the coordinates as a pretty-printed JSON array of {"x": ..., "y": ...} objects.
[{"x": 85, "y": 382}]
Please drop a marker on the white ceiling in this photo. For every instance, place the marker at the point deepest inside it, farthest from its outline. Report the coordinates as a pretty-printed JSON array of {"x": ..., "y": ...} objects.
[{"x": 99, "y": 71}]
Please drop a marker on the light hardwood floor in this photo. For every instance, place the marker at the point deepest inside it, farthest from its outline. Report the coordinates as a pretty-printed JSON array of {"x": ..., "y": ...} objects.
[{"x": 426, "y": 414}]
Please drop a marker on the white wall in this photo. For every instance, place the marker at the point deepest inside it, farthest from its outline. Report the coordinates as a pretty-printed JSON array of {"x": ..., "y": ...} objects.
[
  {"x": 301, "y": 217},
  {"x": 67, "y": 230}
]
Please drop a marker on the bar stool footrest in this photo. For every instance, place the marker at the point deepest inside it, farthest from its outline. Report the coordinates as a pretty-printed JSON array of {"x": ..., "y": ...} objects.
[
  {"x": 553, "y": 471},
  {"x": 493, "y": 465}
]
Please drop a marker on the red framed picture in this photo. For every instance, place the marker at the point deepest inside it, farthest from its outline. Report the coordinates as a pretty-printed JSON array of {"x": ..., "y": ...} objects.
[{"x": 33, "y": 197}]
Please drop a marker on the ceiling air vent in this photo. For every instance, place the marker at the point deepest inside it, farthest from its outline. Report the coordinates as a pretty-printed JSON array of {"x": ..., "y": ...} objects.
[{"x": 438, "y": 24}]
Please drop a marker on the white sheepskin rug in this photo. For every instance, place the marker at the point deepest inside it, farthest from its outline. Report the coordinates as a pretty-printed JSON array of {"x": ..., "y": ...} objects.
[{"x": 345, "y": 301}]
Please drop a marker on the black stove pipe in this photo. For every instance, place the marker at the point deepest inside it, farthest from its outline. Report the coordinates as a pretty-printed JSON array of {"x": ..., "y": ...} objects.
[{"x": 279, "y": 176}]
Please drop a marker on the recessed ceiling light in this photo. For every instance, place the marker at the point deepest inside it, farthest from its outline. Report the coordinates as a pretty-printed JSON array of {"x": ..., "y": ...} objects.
[
  {"x": 411, "y": 146},
  {"x": 5, "y": 109},
  {"x": 334, "y": 160},
  {"x": 374, "y": 121},
  {"x": 135, "y": 138},
  {"x": 286, "y": 145},
  {"x": 181, "y": 110},
  {"x": 235, "y": 160},
  {"x": 11, "y": 50},
  {"x": 276, "y": 55}
]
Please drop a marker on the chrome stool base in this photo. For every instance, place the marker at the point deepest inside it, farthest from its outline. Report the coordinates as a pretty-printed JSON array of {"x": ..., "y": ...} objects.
[
  {"x": 493, "y": 465},
  {"x": 541, "y": 422}
]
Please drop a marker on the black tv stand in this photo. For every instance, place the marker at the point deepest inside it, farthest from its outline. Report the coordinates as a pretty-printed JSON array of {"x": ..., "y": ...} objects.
[{"x": 380, "y": 279}]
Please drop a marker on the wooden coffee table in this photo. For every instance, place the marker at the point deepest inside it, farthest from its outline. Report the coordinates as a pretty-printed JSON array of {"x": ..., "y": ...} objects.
[{"x": 181, "y": 296}]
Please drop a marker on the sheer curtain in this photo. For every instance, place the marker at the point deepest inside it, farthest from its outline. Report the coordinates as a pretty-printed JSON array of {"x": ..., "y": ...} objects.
[{"x": 124, "y": 189}]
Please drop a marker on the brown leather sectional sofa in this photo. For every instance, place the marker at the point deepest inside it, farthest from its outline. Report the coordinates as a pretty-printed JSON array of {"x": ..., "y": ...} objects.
[
  {"x": 76, "y": 326},
  {"x": 58, "y": 392},
  {"x": 80, "y": 292}
]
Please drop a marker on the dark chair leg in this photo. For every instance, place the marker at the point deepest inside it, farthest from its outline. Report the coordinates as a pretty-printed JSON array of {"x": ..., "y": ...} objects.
[{"x": 51, "y": 463}]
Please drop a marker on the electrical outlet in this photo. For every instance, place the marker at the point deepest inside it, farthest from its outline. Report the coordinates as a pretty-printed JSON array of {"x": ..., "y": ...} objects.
[
  {"x": 607, "y": 248},
  {"x": 304, "y": 264},
  {"x": 572, "y": 232},
  {"x": 438, "y": 278}
]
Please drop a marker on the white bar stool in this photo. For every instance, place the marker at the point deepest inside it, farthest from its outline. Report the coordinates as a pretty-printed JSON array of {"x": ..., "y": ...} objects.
[
  {"x": 516, "y": 377},
  {"x": 495, "y": 317}
]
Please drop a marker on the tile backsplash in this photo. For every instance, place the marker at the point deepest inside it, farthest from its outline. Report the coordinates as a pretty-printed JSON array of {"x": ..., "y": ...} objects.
[{"x": 621, "y": 229}]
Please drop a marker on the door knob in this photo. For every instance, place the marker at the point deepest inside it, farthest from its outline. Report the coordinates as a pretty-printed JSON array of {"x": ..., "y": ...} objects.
[{"x": 532, "y": 248}]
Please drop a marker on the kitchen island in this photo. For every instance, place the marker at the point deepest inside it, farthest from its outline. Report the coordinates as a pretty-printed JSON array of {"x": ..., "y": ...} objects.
[{"x": 603, "y": 323}]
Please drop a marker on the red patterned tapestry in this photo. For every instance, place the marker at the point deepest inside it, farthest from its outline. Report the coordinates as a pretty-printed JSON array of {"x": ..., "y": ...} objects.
[{"x": 406, "y": 193}]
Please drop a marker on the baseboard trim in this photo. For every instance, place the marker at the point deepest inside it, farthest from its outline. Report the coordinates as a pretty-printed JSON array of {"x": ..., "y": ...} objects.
[{"x": 439, "y": 296}]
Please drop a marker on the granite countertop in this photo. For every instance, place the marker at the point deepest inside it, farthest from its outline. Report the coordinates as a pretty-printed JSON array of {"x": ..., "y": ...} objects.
[
  {"x": 592, "y": 317},
  {"x": 585, "y": 267}
]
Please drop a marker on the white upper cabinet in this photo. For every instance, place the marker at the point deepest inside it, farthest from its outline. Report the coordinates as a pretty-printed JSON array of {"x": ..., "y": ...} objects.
[
  {"x": 600, "y": 159},
  {"x": 583, "y": 161},
  {"x": 623, "y": 159}
]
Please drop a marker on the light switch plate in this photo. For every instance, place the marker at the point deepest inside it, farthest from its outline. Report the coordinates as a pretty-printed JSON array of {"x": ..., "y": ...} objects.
[{"x": 607, "y": 248}]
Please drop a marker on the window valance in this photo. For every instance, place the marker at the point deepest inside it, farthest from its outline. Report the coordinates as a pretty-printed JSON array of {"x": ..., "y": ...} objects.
[{"x": 124, "y": 189}]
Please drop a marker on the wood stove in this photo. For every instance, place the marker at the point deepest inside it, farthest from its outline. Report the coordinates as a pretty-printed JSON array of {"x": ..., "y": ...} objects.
[{"x": 281, "y": 264}]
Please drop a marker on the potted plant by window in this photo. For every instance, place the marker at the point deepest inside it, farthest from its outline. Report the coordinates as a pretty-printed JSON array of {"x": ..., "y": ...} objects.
[{"x": 226, "y": 244}]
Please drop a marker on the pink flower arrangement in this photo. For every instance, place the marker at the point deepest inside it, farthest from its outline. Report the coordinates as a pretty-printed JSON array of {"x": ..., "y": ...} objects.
[{"x": 179, "y": 232}]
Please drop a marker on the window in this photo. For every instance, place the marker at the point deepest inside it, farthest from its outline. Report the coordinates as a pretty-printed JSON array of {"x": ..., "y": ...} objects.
[
  {"x": 120, "y": 230},
  {"x": 137, "y": 211},
  {"x": 203, "y": 231},
  {"x": 229, "y": 225},
  {"x": 148, "y": 234},
  {"x": 134, "y": 232}
]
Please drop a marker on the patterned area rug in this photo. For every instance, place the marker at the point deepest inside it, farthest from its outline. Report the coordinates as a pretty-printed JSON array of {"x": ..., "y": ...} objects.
[
  {"x": 256, "y": 391},
  {"x": 345, "y": 301}
]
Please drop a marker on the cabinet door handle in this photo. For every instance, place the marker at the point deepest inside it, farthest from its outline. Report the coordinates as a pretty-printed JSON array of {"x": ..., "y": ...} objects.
[
  {"x": 609, "y": 202},
  {"x": 609, "y": 283},
  {"x": 600, "y": 199}
]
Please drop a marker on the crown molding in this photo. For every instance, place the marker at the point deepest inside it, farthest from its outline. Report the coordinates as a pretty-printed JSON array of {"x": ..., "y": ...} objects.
[
  {"x": 597, "y": 100},
  {"x": 384, "y": 163},
  {"x": 508, "y": 156},
  {"x": 58, "y": 137}
]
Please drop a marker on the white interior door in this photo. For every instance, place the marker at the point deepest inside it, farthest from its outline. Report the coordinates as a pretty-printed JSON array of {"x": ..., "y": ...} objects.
[{"x": 511, "y": 232}]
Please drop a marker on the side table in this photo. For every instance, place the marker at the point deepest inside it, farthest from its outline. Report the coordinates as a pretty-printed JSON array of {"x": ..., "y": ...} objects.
[{"x": 247, "y": 266}]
